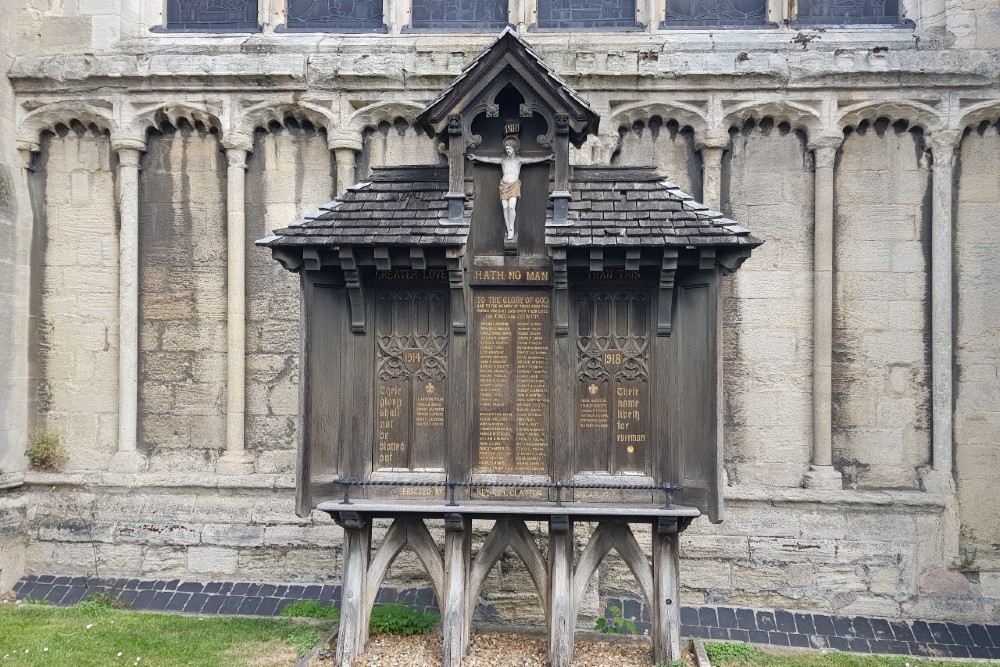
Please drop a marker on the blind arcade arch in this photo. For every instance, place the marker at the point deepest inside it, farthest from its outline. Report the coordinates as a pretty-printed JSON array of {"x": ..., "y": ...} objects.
[{"x": 566, "y": 372}]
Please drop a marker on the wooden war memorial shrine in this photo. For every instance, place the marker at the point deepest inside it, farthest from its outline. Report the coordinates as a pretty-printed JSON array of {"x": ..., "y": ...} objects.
[{"x": 511, "y": 338}]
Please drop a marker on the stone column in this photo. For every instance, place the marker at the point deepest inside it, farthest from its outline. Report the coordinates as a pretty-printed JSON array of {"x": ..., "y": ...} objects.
[
  {"x": 128, "y": 459},
  {"x": 943, "y": 147},
  {"x": 822, "y": 474},
  {"x": 235, "y": 459},
  {"x": 712, "y": 146},
  {"x": 345, "y": 145}
]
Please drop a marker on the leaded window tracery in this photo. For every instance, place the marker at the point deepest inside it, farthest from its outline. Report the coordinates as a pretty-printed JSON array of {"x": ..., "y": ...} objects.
[
  {"x": 336, "y": 15},
  {"x": 212, "y": 15},
  {"x": 848, "y": 12},
  {"x": 721, "y": 13},
  {"x": 459, "y": 14},
  {"x": 586, "y": 14}
]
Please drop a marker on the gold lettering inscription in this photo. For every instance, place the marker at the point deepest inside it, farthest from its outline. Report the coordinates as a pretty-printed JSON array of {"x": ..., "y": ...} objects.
[{"x": 513, "y": 392}]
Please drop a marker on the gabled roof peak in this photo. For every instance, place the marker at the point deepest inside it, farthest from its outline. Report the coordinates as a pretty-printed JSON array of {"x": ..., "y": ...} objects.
[{"x": 510, "y": 58}]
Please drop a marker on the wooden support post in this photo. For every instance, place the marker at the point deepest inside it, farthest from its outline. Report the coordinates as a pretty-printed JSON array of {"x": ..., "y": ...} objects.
[
  {"x": 562, "y": 606},
  {"x": 353, "y": 622},
  {"x": 665, "y": 614},
  {"x": 454, "y": 616}
]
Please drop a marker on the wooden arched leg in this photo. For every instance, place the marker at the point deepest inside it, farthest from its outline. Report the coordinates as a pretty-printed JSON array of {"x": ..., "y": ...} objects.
[
  {"x": 562, "y": 597},
  {"x": 665, "y": 607},
  {"x": 514, "y": 534},
  {"x": 353, "y": 620},
  {"x": 454, "y": 611}
]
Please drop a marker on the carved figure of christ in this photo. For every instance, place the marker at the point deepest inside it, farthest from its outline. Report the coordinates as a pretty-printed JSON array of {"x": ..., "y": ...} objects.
[{"x": 510, "y": 180}]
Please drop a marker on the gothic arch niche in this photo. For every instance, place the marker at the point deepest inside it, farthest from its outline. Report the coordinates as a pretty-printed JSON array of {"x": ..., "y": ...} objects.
[
  {"x": 73, "y": 178},
  {"x": 881, "y": 410},
  {"x": 393, "y": 143},
  {"x": 290, "y": 172},
  {"x": 182, "y": 295},
  {"x": 664, "y": 143},
  {"x": 977, "y": 333},
  {"x": 783, "y": 207}
]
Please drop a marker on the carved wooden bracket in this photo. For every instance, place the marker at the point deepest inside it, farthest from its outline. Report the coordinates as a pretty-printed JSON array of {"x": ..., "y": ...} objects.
[
  {"x": 560, "y": 275},
  {"x": 289, "y": 258},
  {"x": 311, "y": 259},
  {"x": 417, "y": 259},
  {"x": 456, "y": 281},
  {"x": 356, "y": 297},
  {"x": 382, "y": 262},
  {"x": 706, "y": 260},
  {"x": 665, "y": 309},
  {"x": 596, "y": 260}
]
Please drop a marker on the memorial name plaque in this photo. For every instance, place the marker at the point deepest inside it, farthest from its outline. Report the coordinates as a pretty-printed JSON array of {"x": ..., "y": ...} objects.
[
  {"x": 411, "y": 335},
  {"x": 613, "y": 381},
  {"x": 512, "y": 332}
]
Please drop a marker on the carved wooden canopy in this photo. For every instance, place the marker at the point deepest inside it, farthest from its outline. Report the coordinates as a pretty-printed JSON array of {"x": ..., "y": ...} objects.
[{"x": 509, "y": 61}]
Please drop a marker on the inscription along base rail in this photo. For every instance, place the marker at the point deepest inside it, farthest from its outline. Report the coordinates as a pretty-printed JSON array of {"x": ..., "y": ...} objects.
[{"x": 458, "y": 576}]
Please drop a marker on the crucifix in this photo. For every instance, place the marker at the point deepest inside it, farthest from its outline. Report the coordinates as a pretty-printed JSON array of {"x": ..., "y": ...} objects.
[{"x": 510, "y": 181}]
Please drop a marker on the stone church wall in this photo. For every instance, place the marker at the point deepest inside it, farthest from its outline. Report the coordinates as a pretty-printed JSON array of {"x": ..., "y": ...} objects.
[
  {"x": 768, "y": 311},
  {"x": 78, "y": 322},
  {"x": 977, "y": 343},
  {"x": 182, "y": 302},
  {"x": 881, "y": 311}
]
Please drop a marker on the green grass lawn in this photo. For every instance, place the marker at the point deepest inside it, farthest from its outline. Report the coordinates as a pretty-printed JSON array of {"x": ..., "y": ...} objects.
[
  {"x": 732, "y": 654},
  {"x": 92, "y": 635}
]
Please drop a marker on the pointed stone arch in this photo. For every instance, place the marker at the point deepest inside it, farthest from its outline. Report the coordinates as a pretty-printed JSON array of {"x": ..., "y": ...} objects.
[
  {"x": 917, "y": 114},
  {"x": 373, "y": 114},
  {"x": 149, "y": 116},
  {"x": 47, "y": 117},
  {"x": 262, "y": 114},
  {"x": 511, "y": 533},
  {"x": 799, "y": 116},
  {"x": 977, "y": 113},
  {"x": 685, "y": 114}
]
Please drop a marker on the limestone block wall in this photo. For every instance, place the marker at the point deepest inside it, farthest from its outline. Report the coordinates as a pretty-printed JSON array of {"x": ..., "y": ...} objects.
[
  {"x": 977, "y": 338},
  {"x": 664, "y": 144},
  {"x": 397, "y": 143},
  {"x": 16, "y": 405},
  {"x": 78, "y": 326},
  {"x": 289, "y": 173},
  {"x": 768, "y": 307},
  {"x": 881, "y": 341},
  {"x": 182, "y": 302}
]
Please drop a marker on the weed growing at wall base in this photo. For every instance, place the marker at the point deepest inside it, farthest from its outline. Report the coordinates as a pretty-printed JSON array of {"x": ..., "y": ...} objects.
[{"x": 46, "y": 453}]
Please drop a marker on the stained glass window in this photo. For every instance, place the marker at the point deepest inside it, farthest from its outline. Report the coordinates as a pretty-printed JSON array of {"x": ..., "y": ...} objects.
[
  {"x": 339, "y": 15},
  {"x": 212, "y": 15},
  {"x": 720, "y": 13},
  {"x": 459, "y": 14},
  {"x": 586, "y": 14},
  {"x": 845, "y": 12}
]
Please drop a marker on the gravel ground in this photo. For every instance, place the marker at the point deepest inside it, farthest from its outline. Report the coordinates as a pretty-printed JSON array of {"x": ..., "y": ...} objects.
[{"x": 501, "y": 650}]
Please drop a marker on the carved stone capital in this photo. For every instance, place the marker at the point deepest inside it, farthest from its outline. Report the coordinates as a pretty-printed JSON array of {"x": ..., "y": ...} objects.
[
  {"x": 236, "y": 157},
  {"x": 237, "y": 141},
  {"x": 825, "y": 147},
  {"x": 944, "y": 144},
  {"x": 712, "y": 139},
  {"x": 27, "y": 149},
  {"x": 128, "y": 150},
  {"x": 344, "y": 139}
]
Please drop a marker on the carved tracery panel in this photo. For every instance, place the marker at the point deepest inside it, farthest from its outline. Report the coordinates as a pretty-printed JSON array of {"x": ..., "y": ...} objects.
[
  {"x": 411, "y": 372},
  {"x": 612, "y": 369}
]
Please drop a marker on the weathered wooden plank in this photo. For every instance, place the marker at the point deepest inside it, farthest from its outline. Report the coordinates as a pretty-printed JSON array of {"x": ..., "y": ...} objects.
[
  {"x": 563, "y": 596},
  {"x": 454, "y": 612},
  {"x": 665, "y": 607},
  {"x": 353, "y": 620}
]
